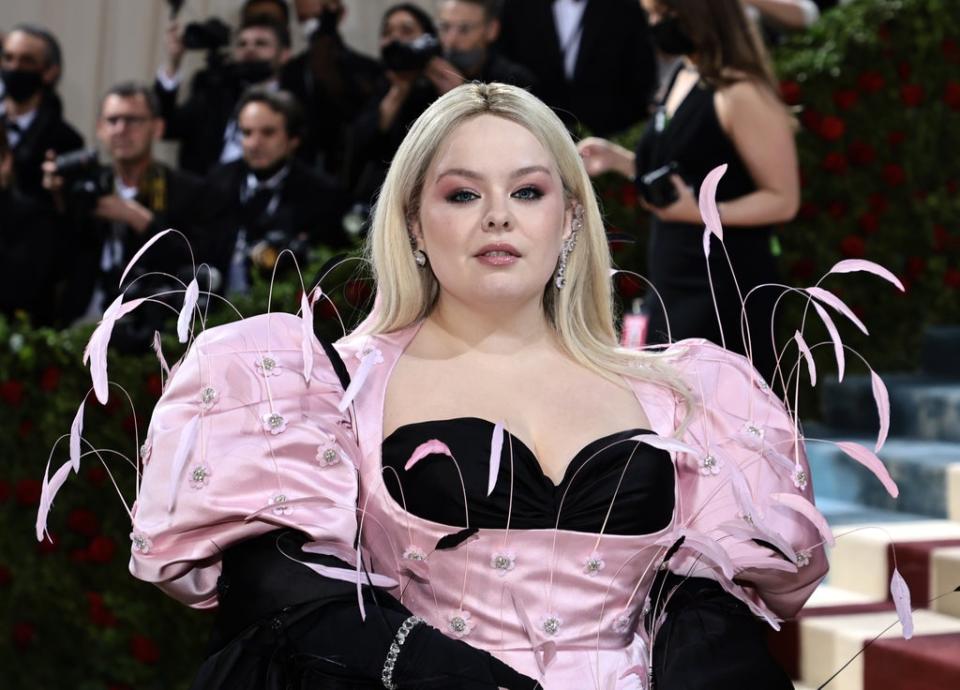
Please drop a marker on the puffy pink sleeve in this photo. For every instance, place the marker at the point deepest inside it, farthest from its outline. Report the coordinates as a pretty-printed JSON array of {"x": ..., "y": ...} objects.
[
  {"x": 240, "y": 444},
  {"x": 746, "y": 489}
]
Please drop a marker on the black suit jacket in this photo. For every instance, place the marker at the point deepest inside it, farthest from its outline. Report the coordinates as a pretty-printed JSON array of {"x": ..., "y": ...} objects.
[
  {"x": 616, "y": 71},
  {"x": 47, "y": 131}
]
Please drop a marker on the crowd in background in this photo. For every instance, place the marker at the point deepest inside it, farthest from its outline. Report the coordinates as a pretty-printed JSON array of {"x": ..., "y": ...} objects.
[{"x": 280, "y": 150}]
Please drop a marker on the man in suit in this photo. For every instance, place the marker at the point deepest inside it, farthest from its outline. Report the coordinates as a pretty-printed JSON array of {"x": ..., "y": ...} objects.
[
  {"x": 204, "y": 124},
  {"x": 137, "y": 198},
  {"x": 593, "y": 59},
  {"x": 31, "y": 64},
  {"x": 268, "y": 200}
]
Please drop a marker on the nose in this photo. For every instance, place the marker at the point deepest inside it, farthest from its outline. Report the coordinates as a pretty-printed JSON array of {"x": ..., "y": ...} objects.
[{"x": 497, "y": 219}]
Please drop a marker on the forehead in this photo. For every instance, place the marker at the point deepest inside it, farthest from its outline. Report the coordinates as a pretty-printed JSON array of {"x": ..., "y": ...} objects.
[
  {"x": 492, "y": 146},
  {"x": 459, "y": 11},
  {"x": 258, "y": 114},
  {"x": 401, "y": 19},
  {"x": 257, "y": 33},
  {"x": 24, "y": 43},
  {"x": 114, "y": 103}
]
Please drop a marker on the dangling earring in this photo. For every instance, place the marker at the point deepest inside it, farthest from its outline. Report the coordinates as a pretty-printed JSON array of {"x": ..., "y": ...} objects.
[
  {"x": 561, "y": 278},
  {"x": 420, "y": 257}
]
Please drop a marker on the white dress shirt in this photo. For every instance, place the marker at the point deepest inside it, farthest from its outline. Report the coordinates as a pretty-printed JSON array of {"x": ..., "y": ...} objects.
[{"x": 568, "y": 18}]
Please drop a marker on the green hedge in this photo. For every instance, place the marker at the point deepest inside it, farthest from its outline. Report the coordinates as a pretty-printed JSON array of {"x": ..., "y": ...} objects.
[{"x": 880, "y": 95}]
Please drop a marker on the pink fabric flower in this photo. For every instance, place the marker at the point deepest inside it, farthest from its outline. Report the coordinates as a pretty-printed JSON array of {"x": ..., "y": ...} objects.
[
  {"x": 279, "y": 504},
  {"x": 328, "y": 452},
  {"x": 268, "y": 365},
  {"x": 710, "y": 465},
  {"x": 414, "y": 553},
  {"x": 460, "y": 623},
  {"x": 141, "y": 542},
  {"x": 551, "y": 623},
  {"x": 503, "y": 562},
  {"x": 208, "y": 398},
  {"x": 593, "y": 564},
  {"x": 274, "y": 423},
  {"x": 200, "y": 476}
]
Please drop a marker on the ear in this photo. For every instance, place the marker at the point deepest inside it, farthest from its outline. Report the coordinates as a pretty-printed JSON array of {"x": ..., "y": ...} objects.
[
  {"x": 50, "y": 75},
  {"x": 415, "y": 231},
  {"x": 568, "y": 215},
  {"x": 493, "y": 30},
  {"x": 293, "y": 145}
]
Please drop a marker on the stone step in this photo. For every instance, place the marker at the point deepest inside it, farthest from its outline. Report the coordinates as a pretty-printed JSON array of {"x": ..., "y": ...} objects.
[
  {"x": 930, "y": 662},
  {"x": 921, "y": 406},
  {"x": 923, "y": 470},
  {"x": 862, "y": 559},
  {"x": 945, "y": 577},
  {"x": 938, "y": 351},
  {"x": 829, "y": 642}
]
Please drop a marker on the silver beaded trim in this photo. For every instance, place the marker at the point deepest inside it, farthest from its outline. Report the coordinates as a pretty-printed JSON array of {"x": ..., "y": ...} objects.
[{"x": 391, "y": 661}]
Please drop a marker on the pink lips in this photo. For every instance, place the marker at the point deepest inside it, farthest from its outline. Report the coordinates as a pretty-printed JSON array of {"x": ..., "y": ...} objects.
[{"x": 499, "y": 254}]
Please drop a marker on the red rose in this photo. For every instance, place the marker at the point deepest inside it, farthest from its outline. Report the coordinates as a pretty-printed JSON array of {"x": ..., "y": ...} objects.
[
  {"x": 96, "y": 475},
  {"x": 790, "y": 92},
  {"x": 628, "y": 195},
  {"x": 811, "y": 119},
  {"x": 802, "y": 269},
  {"x": 155, "y": 385},
  {"x": 904, "y": 71},
  {"x": 870, "y": 82},
  {"x": 950, "y": 49},
  {"x": 878, "y": 202},
  {"x": 83, "y": 521},
  {"x": 50, "y": 379},
  {"x": 101, "y": 549},
  {"x": 24, "y": 635},
  {"x": 144, "y": 650},
  {"x": 894, "y": 175},
  {"x": 869, "y": 222},
  {"x": 853, "y": 247},
  {"x": 4, "y": 490},
  {"x": 98, "y": 612},
  {"x": 808, "y": 210},
  {"x": 845, "y": 99},
  {"x": 832, "y": 128},
  {"x": 28, "y": 492},
  {"x": 916, "y": 265},
  {"x": 5, "y": 576},
  {"x": 895, "y": 138},
  {"x": 951, "y": 95},
  {"x": 951, "y": 278},
  {"x": 11, "y": 392},
  {"x": 861, "y": 153},
  {"x": 911, "y": 95},
  {"x": 836, "y": 209},
  {"x": 835, "y": 163},
  {"x": 628, "y": 286},
  {"x": 357, "y": 292}
]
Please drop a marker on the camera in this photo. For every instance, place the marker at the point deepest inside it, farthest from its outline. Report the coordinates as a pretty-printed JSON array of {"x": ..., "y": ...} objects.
[
  {"x": 209, "y": 35},
  {"x": 401, "y": 56},
  {"x": 265, "y": 254},
  {"x": 85, "y": 180},
  {"x": 657, "y": 188}
]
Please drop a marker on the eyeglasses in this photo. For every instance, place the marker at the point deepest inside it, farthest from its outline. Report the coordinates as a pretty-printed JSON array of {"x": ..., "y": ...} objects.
[
  {"x": 462, "y": 29},
  {"x": 129, "y": 120}
]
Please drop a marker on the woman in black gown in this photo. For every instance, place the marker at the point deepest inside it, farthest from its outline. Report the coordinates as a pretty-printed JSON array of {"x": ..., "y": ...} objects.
[{"x": 720, "y": 107}]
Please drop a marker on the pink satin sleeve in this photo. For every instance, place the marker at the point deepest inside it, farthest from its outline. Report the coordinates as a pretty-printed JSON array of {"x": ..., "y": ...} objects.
[
  {"x": 739, "y": 420},
  {"x": 239, "y": 444}
]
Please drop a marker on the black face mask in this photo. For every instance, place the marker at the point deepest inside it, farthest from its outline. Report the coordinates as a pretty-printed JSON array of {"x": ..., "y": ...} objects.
[
  {"x": 21, "y": 84},
  {"x": 252, "y": 72},
  {"x": 670, "y": 39}
]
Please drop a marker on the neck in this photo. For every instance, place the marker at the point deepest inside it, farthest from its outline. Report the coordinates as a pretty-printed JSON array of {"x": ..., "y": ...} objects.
[
  {"x": 131, "y": 172},
  {"x": 15, "y": 109},
  {"x": 494, "y": 329}
]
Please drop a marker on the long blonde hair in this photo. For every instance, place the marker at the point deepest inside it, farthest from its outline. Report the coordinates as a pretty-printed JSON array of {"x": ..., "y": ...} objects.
[{"x": 581, "y": 313}]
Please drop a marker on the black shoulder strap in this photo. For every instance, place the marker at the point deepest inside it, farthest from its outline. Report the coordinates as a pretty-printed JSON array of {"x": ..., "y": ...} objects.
[{"x": 337, "y": 361}]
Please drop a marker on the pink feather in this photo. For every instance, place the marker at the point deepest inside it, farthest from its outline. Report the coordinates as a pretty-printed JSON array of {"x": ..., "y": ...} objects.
[
  {"x": 882, "y": 399},
  {"x": 871, "y": 462},
  {"x": 496, "y": 448},
  {"x": 76, "y": 430},
  {"x": 801, "y": 505},
  {"x": 901, "y": 599},
  {"x": 828, "y": 297},
  {"x": 140, "y": 252},
  {"x": 708, "y": 201},
  {"x": 834, "y": 336},
  {"x": 306, "y": 336},
  {"x": 367, "y": 363},
  {"x": 742, "y": 493},
  {"x": 851, "y": 265},
  {"x": 709, "y": 547},
  {"x": 190, "y": 297},
  {"x": 766, "y": 563},
  {"x": 665, "y": 443},
  {"x": 188, "y": 438},
  {"x": 96, "y": 350},
  {"x": 431, "y": 447},
  {"x": 351, "y": 575},
  {"x": 807, "y": 355},
  {"x": 158, "y": 348},
  {"x": 363, "y": 609},
  {"x": 744, "y": 531},
  {"x": 270, "y": 507},
  {"x": 48, "y": 492},
  {"x": 706, "y": 243}
]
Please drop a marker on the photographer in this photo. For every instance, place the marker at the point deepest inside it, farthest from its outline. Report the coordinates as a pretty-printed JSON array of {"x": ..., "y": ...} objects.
[
  {"x": 115, "y": 211},
  {"x": 204, "y": 124},
  {"x": 268, "y": 200},
  {"x": 332, "y": 81},
  {"x": 31, "y": 66}
]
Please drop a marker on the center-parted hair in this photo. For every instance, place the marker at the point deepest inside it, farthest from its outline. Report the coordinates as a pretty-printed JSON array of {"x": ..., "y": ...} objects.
[{"x": 582, "y": 313}]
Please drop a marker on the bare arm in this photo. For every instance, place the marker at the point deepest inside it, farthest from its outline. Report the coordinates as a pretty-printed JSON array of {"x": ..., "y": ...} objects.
[{"x": 788, "y": 14}]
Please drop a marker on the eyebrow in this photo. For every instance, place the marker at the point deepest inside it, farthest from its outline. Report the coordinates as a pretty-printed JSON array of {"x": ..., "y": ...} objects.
[{"x": 473, "y": 175}]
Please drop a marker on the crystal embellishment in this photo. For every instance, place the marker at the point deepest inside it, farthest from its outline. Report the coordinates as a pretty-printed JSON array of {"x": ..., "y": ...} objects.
[
  {"x": 414, "y": 553},
  {"x": 141, "y": 542},
  {"x": 799, "y": 477},
  {"x": 199, "y": 476},
  {"x": 593, "y": 564},
  {"x": 551, "y": 624},
  {"x": 503, "y": 562},
  {"x": 460, "y": 623},
  {"x": 145, "y": 450},
  {"x": 274, "y": 423},
  {"x": 803, "y": 558},
  {"x": 328, "y": 453},
  {"x": 280, "y": 507},
  {"x": 208, "y": 397},
  {"x": 621, "y": 624},
  {"x": 709, "y": 466},
  {"x": 268, "y": 365}
]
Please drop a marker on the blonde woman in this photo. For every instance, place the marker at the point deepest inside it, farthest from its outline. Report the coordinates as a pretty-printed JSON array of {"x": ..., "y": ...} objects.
[{"x": 477, "y": 487}]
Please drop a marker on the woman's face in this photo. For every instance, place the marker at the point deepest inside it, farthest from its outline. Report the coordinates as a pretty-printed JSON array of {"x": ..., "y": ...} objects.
[
  {"x": 655, "y": 11},
  {"x": 493, "y": 214},
  {"x": 400, "y": 26}
]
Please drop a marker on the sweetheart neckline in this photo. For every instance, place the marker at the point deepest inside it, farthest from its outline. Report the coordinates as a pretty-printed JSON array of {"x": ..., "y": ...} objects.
[{"x": 536, "y": 460}]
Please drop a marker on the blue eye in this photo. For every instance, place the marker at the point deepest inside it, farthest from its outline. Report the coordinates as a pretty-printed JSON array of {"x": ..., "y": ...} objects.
[
  {"x": 528, "y": 194},
  {"x": 462, "y": 196}
]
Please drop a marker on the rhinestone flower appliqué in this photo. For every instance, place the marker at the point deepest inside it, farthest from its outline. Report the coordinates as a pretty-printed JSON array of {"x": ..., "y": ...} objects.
[
  {"x": 200, "y": 476},
  {"x": 141, "y": 542},
  {"x": 208, "y": 398},
  {"x": 328, "y": 453},
  {"x": 800, "y": 478},
  {"x": 593, "y": 564},
  {"x": 280, "y": 507},
  {"x": 503, "y": 562},
  {"x": 274, "y": 423},
  {"x": 710, "y": 465},
  {"x": 550, "y": 624},
  {"x": 414, "y": 553},
  {"x": 145, "y": 450},
  {"x": 622, "y": 623},
  {"x": 268, "y": 365},
  {"x": 803, "y": 558},
  {"x": 460, "y": 623}
]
